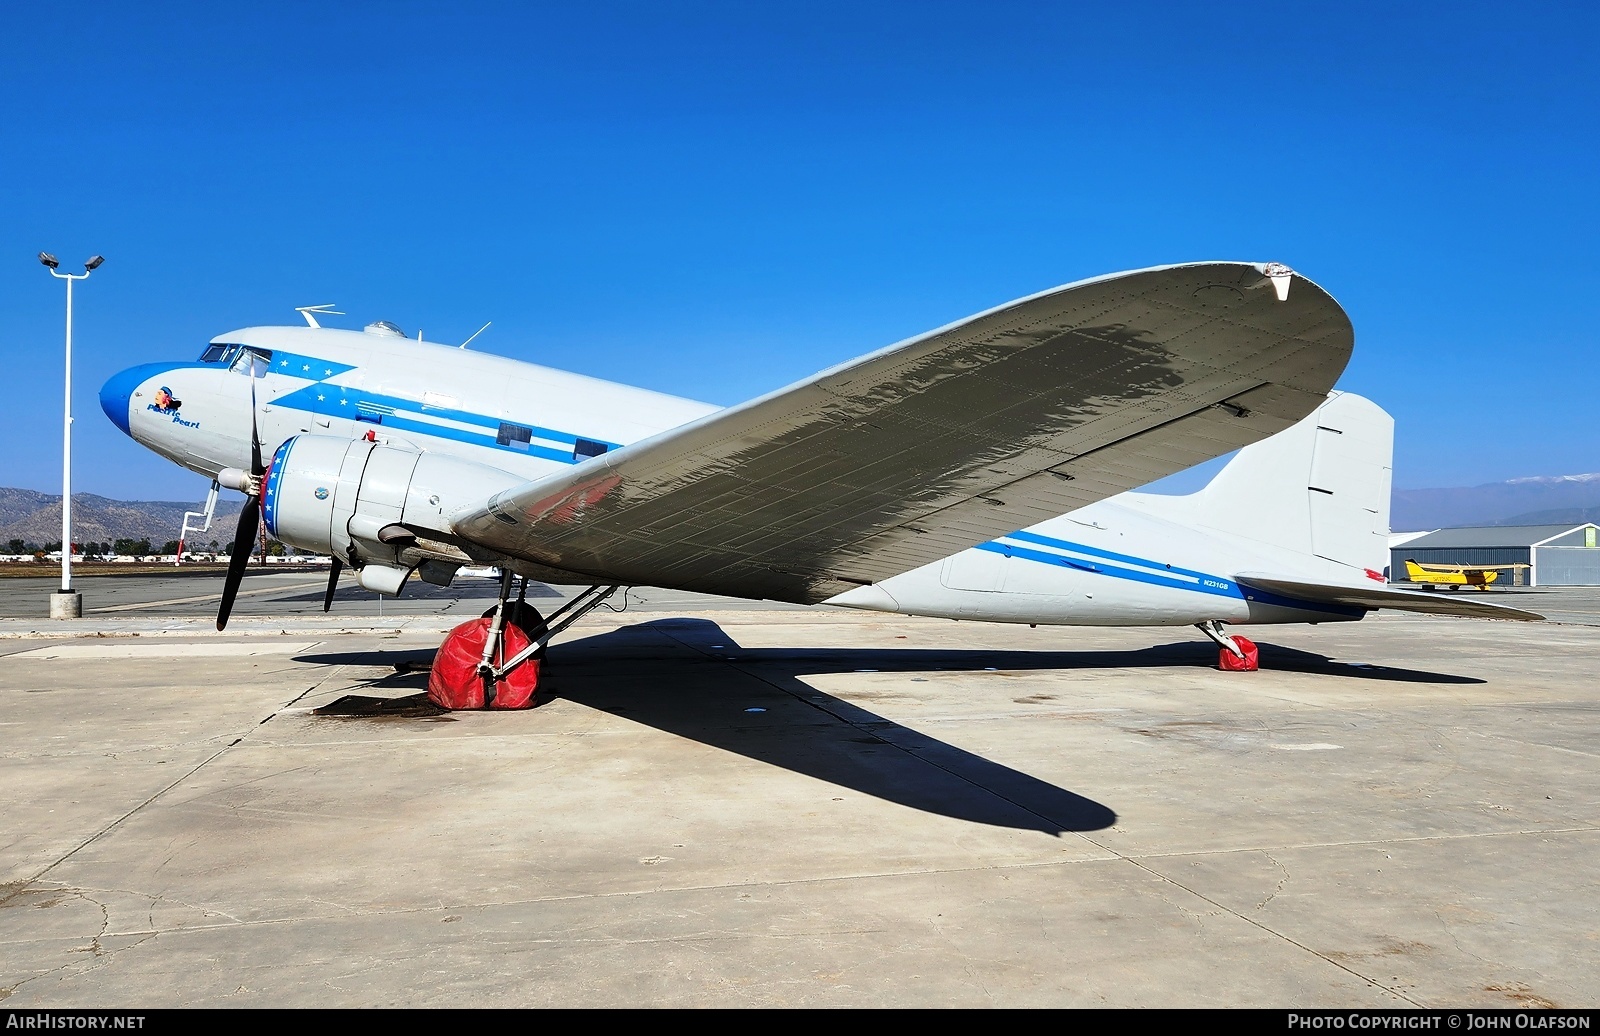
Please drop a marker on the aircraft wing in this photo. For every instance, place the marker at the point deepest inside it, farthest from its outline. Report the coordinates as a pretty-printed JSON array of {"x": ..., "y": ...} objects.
[
  {"x": 1385, "y": 597},
  {"x": 920, "y": 450}
]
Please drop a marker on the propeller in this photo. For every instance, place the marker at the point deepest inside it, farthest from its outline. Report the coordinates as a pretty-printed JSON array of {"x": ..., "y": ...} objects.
[
  {"x": 333, "y": 584},
  {"x": 249, "y": 517}
]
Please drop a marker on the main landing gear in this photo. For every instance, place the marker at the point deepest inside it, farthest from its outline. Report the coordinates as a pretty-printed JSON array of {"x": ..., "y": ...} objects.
[
  {"x": 493, "y": 662},
  {"x": 1238, "y": 655}
]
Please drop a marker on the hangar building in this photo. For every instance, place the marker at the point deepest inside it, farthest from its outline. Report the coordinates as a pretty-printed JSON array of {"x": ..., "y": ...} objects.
[{"x": 1559, "y": 555}]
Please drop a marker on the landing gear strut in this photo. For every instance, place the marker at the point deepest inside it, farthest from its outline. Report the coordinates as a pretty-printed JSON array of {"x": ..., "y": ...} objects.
[
  {"x": 1238, "y": 655},
  {"x": 493, "y": 662}
]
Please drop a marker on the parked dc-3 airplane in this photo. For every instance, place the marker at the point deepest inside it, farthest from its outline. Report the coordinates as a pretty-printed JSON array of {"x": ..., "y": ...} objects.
[{"x": 979, "y": 471}]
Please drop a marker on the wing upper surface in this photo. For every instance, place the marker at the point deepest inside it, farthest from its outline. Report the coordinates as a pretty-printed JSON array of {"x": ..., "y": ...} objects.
[{"x": 920, "y": 450}]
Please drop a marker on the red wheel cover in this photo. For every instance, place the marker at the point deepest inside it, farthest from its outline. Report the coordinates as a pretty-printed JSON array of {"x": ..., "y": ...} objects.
[
  {"x": 1226, "y": 660},
  {"x": 454, "y": 682}
]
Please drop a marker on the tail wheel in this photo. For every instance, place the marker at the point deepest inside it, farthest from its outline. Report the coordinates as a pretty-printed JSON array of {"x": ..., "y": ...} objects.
[{"x": 1229, "y": 662}]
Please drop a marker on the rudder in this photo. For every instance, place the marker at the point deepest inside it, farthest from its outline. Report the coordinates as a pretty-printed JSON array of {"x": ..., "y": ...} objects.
[{"x": 1320, "y": 487}]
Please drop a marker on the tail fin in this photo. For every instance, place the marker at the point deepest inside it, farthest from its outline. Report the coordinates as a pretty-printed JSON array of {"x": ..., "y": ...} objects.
[{"x": 1320, "y": 487}]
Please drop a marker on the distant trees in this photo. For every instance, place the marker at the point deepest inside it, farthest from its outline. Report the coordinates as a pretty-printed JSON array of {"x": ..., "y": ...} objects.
[
  {"x": 274, "y": 548},
  {"x": 137, "y": 547},
  {"x": 16, "y": 546}
]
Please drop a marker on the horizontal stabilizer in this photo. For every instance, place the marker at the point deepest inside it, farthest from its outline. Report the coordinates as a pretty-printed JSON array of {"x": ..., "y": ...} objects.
[{"x": 1385, "y": 597}]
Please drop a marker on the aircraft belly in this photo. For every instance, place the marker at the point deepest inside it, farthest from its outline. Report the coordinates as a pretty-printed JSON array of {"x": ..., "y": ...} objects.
[{"x": 1275, "y": 614}]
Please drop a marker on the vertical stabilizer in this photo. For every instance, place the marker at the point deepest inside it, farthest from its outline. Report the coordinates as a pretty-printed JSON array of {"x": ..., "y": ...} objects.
[{"x": 1320, "y": 487}]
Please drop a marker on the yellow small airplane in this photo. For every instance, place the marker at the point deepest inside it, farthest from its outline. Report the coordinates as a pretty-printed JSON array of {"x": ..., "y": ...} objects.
[{"x": 1455, "y": 576}]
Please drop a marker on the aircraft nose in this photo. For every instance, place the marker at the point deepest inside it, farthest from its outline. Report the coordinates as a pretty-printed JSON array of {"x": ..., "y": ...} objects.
[{"x": 116, "y": 395}]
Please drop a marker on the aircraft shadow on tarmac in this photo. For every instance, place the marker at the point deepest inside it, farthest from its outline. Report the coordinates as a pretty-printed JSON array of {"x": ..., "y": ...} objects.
[{"x": 688, "y": 677}]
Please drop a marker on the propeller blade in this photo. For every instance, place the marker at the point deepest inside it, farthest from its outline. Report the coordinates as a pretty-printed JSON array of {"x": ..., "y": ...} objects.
[
  {"x": 239, "y": 560},
  {"x": 256, "y": 467},
  {"x": 333, "y": 584},
  {"x": 249, "y": 517}
]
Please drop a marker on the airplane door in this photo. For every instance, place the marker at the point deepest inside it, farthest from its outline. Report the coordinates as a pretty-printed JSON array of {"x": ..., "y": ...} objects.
[{"x": 974, "y": 570}]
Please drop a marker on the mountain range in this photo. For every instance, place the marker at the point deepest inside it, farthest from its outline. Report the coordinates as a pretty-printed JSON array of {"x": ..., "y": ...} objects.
[
  {"x": 1542, "y": 500},
  {"x": 36, "y": 518}
]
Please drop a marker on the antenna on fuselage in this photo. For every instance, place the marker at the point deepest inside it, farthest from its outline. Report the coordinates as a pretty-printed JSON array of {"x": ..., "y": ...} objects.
[
  {"x": 326, "y": 309},
  {"x": 476, "y": 333}
]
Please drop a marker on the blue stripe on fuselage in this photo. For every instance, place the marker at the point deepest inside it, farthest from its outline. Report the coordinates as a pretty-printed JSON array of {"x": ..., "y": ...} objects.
[
  {"x": 1204, "y": 582},
  {"x": 295, "y": 365},
  {"x": 309, "y": 396},
  {"x": 1109, "y": 555}
]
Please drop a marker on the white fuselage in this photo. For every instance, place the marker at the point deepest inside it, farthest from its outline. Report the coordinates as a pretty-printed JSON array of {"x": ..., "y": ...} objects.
[
  {"x": 1130, "y": 560},
  {"x": 1124, "y": 561},
  {"x": 527, "y": 419}
]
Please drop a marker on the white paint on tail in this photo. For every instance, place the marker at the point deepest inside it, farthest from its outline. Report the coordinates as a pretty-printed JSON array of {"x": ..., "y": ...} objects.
[{"x": 1319, "y": 488}]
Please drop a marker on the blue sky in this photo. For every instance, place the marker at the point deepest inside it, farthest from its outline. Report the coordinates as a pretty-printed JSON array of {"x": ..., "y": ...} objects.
[{"x": 715, "y": 199}]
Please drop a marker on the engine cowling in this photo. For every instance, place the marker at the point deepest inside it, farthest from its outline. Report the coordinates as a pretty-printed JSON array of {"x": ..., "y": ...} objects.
[{"x": 382, "y": 508}]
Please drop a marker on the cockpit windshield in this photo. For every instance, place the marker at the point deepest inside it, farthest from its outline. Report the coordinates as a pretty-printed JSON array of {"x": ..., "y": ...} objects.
[
  {"x": 250, "y": 360},
  {"x": 238, "y": 358}
]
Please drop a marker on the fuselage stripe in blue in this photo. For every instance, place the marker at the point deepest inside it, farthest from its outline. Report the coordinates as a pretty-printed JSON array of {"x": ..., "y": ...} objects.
[
  {"x": 305, "y": 398},
  {"x": 1033, "y": 537},
  {"x": 1205, "y": 583}
]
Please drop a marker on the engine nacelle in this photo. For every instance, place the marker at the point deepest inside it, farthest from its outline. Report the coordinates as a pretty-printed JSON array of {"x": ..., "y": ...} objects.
[{"x": 374, "y": 505}]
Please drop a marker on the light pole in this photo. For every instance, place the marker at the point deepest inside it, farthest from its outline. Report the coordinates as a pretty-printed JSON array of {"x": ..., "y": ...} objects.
[{"x": 65, "y": 603}]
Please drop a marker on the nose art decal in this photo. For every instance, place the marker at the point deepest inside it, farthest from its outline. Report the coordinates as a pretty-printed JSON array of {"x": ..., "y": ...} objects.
[{"x": 117, "y": 395}]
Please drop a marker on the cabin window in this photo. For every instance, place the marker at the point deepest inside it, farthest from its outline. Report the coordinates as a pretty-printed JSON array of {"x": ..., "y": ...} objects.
[
  {"x": 585, "y": 448},
  {"x": 214, "y": 353},
  {"x": 515, "y": 436}
]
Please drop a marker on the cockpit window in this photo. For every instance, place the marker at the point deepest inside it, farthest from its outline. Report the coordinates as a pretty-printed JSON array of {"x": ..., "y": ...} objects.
[
  {"x": 214, "y": 353},
  {"x": 250, "y": 360}
]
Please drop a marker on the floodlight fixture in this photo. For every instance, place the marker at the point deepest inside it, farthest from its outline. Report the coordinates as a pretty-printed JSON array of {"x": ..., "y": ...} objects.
[
  {"x": 49, "y": 260},
  {"x": 94, "y": 261}
]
